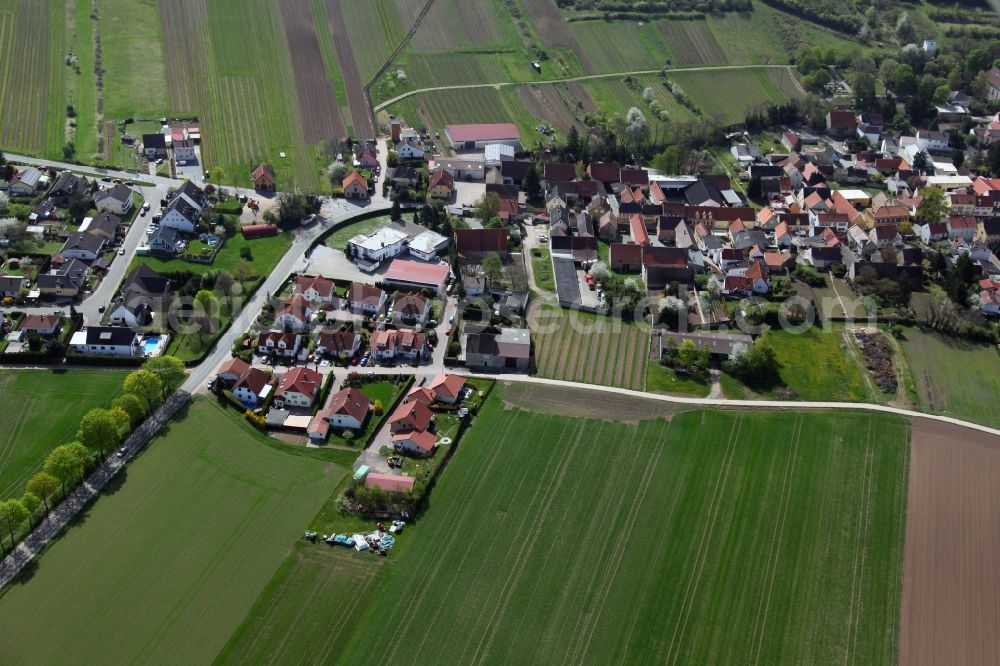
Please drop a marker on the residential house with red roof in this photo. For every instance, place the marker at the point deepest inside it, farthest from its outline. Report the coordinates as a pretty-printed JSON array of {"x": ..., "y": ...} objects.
[
  {"x": 841, "y": 124},
  {"x": 294, "y": 314},
  {"x": 355, "y": 186},
  {"x": 279, "y": 343},
  {"x": 343, "y": 343},
  {"x": 231, "y": 370},
  {"x": 447, "y": 388},
  {"x": 348, "y": 409},
  {"x": 365, "y": 298},
  {"x": 415, "y": 442},
  {"x": 442, "y": 184},
  {"x": 41, "y": 324},
  {"x": 316, "y": 290},
  {"x": 252, "y": 387},
  {"x": 410, "y": 416},
  {"x": 299, "y": 387},
  {"x": 263, "y": 179},
  {"x": 474, "y": 244}
]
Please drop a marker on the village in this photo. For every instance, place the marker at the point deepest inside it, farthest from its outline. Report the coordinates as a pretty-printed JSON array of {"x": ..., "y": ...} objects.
[{"x": 446, "y": 248}]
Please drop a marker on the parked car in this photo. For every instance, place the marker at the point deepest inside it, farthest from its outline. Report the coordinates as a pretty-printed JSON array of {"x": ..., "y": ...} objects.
[{"x": 121, "y": 252}]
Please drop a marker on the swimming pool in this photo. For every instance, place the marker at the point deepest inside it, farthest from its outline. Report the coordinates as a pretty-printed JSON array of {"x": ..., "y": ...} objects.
[{"x": 150, "y": 346}]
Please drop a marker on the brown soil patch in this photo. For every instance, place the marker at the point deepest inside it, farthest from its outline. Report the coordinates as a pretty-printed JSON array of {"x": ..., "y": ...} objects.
[
  {"x": 585, "y": 403},
  {"x": 317, "y": 103},
  {"x": 361, "y": 119},
  {"x": 554, "y": 30},
  {"x": 951, "y": 582},
  {"x": 545, "y": 102}
]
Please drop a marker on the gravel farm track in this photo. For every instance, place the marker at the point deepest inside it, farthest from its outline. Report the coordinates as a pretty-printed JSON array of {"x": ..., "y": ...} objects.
[{"x": 320, "y": 116}]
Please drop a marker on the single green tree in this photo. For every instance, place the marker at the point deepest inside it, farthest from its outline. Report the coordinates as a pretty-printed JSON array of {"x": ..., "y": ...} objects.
[
  {"x": 43, "y": 485},
  {"x": 12, "y": 513},
  {"x": 132, "y": 406},
  {"x": 99, "y": 430},
  {"x": 31, "y": 502},
  {"x": 144, "y": 384},
  {"x": 487, "y": 207},
  {"x": 532, "y": 183},
  {"x": 169, "y": 369},
  {"x": 492, "y": 268},
  {"x": 933, "y": 205}
]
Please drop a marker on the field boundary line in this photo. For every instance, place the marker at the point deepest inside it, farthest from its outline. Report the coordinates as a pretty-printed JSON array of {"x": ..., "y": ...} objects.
[
  {"x": 399, "y": 47},
  {"x": 702, "y": 552},
  {"x": 774, "y": 550},
  {"x": 572, "y": 79}
]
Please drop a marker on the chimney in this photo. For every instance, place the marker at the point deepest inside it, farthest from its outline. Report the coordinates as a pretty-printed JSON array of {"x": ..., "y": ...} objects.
[{"x": 395, "y": 129}]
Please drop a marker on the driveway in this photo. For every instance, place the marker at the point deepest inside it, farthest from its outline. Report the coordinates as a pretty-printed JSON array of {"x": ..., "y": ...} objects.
[
  {"x": 466, "y": 193},
  {"x": 193, "y": 170}
]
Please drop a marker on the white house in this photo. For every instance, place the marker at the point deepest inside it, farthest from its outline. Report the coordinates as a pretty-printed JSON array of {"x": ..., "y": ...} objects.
[
  {"x": 165, "y": 240},
  {"x": 86, "y": 247},
  {"x": 116, "y": 200},
  {"x": 184, "y": 151},
  {"x": 252, "y": 388},
  {"x": 348, "y": 408},
  {"x": 410, "y": 149},
  {"x": 25, "y": 182},
  {"x": 316, "y": 290},
  {"x": 180, "y": 215},
  {"x": 341, "y": 344},
  {"x": 415, "y": 442},
  {"x": 411, "y": 308},
  {"x": 299, "y": 387},
  {"x": 294, "y": 314},
  {"x": 105, "y": 341},
  {"x": 365, "y": 298},
  {"x": 385, "y": 243},
  {"x": 279, "y": 343}
]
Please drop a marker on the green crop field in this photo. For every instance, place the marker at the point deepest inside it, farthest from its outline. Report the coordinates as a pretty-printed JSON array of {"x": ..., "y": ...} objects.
[
  {"x": 622, "y": 46},
  {"x": 172, "y": 560},
  {"x": 133, "y": 59},
  {"x": 305, "y": 611},
  {"x": 42, "y": 409},
  {"x": 954, "y": 377},
  {"x": 581, "y": 347},
  {"x": 711, "y": 538},
  {"x": 742, "y": 88}
]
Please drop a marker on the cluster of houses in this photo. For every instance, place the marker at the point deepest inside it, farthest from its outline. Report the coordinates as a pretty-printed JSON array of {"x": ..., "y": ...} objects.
[
  {"x": 178, "y": 220},
  {"x": 667, "y": 229},
  {"x": 177, "y": 141},
  {"x": 87, "y": 240}
]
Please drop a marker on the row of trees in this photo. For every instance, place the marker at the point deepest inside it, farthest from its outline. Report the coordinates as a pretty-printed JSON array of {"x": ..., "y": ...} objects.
[{"x": 100, "y": 431}]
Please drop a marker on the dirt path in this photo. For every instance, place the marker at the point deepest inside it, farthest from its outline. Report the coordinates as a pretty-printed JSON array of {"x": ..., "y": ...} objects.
[
  {"x": 572, "y": 79},
  {"x": 951, "y": 583}
]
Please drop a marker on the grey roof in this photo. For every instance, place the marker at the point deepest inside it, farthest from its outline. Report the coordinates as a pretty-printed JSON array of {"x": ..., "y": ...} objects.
[
  {"x": 481, "y": 343},
  {"x": 182, "y": 206},
  {"x": 167, "y": 235},
  {"x": 154, "y": 140},
  {"x": 104, "y": 222},
  {"x": 69, "y": 185},
  {"x": 119, "y": 192},
  {"x": 86, "y": 242}
]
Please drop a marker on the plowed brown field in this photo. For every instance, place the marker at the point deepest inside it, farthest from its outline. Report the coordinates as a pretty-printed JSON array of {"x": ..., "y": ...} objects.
[
  {"x": 317, "y": 103},
  {"x": 951, "y": 578}
]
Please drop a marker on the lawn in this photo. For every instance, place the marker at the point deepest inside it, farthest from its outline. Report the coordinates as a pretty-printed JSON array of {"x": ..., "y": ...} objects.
[
  {"x": 954, "y": 377},
  {"x": 133, "y": 58},
  {"x": 338, "y": 239},
  {"x": 177, "y": 554},
  {"x": 266, "y": 253},
  {"x": 42, "y": 409},
  {"x": 581, "y": 347},
  {"x": 542, "y": 269},
  {"x": 385, "y": 392},
  {"x": 660, "y": 379},
  {"x": 816, "y": 367},
  {"x": 713, "y": 538}
]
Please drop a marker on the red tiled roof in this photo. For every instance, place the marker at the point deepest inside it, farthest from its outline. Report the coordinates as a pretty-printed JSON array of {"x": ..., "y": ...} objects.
[
  {"x": 355, "y": 177},
  {"x": 301, "y": 379},
  {"x": 253, "y": 379},
  {"x": 622, "y": 253},
  {"x": 323, "y": 286},
  {"x": 639, "y": 234},
  {"x": 480, "y": 240},
  {"x": 415, "y": 413},
  {"x": 236, "y": 366},
  {"x": 423, "y": 439},
  {"x": 442, "y": 177},
  {"x": 605, "y": 172},
  {"x": 565, "y": 171},
  {"x": 446, "y": 384},
  {"x": 417, "y": 272},
  {"x": 360, "y": 292},
  {"x": 351, "y": 402},
  {"x": 262, "y": 176}
]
